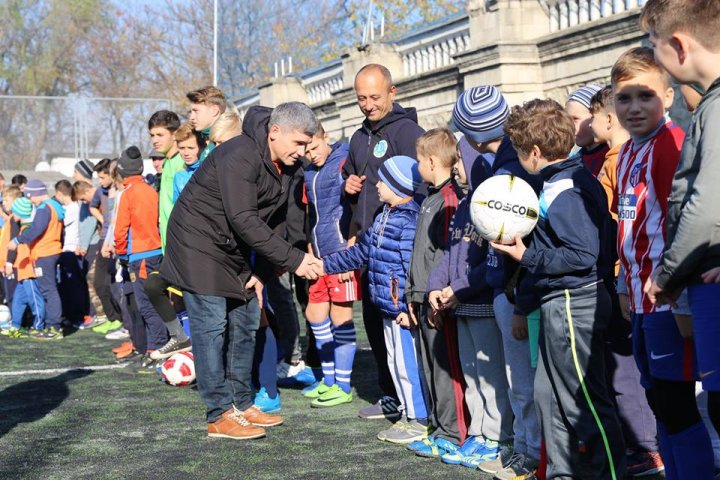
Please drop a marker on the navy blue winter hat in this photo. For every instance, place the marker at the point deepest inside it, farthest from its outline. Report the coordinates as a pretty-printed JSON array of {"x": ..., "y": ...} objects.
[
  {"x": 35, "y": 188},
  {"x": 401, "y": 175},
  {"x": 583, "y": 95},
  {"x": 480, "y": 113}
]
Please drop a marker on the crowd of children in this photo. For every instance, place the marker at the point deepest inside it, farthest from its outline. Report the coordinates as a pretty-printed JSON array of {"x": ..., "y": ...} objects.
[{"x": 572, "y": 353}]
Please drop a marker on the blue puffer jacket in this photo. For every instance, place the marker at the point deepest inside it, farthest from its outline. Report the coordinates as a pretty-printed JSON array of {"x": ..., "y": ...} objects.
[
  {"x": 183, "y": 177},
  {"x": 330, "y": 212},
  {"x": 386, "y": 249},
  {"x": 463, "y": 266}
]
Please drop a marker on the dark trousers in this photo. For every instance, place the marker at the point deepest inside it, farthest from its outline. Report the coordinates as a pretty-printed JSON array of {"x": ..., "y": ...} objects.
[
  {"x": 139, "y": 271},
  {"x": 280, "y": 297},
  {"x": 73, "y": 287},
  {"x": 637, "y": 420},
  {"x": 124, "y": 297},
  {"x": 223, "y": 332},
  {"x": 579, "y": 423},
  {"x": 156, "y": 291},
  {"x": 104, "y": 270},
  {"x": 442, "y": 372},
  {"x": 48, "y": 286},
  {"x": 373, "y": 322},
  {"x": 9, "y": 285}
]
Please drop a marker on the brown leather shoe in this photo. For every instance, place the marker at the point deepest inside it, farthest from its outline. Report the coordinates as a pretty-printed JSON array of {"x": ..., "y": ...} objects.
[
  {"x": 232, "y": 424},
  {"x": 256, "y": 417}
]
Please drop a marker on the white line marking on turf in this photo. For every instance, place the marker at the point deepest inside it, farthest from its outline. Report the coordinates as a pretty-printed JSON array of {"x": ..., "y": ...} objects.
[{"x": 53, "y": 371}]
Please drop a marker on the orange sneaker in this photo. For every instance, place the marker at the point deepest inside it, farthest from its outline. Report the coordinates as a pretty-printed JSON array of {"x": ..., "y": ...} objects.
[
  {"x": 125, "y": 353},
  {"x": 123, "y": 346},
  {"x": 232, "y": 424},
  {"x": 261, "y": 419}
]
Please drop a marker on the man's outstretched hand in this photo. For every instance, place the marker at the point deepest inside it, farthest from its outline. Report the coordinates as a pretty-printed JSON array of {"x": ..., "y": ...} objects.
[{"x": 311, "y": 267}]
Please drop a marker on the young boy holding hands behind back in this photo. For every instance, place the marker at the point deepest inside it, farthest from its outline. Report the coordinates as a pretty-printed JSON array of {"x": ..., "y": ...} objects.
[{"x": 569, "y": 257}]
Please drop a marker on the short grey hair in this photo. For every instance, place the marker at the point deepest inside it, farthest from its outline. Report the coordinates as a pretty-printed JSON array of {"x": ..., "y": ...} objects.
[{"x": 294, "y": 116}]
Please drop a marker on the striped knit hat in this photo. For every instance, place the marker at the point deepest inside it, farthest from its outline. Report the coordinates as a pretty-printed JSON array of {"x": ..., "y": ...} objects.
[
  {"x": 583, "y": 95},
  {"x": 480, "y": 113},
  {"x": 401, "y": 175},
  {"x": 22, "y": 208}
]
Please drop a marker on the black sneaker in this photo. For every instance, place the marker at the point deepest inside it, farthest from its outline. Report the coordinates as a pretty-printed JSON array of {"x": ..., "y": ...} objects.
[
  {"x": 170, "y": 348},
  {"x": 147, "y": 365},
  {"x": 51, "y": 333}
]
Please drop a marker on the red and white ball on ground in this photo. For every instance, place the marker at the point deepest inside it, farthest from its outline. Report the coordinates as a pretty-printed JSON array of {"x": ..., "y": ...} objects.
[
  {"x": 179, "y": 370},
  {"x": 502, "y": 207}
]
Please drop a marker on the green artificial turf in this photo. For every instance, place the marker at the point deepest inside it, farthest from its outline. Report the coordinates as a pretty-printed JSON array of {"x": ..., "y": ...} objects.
[{"x": 110, "y": 424}]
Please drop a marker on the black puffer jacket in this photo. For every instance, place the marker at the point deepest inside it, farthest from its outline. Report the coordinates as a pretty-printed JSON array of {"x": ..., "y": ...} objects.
[{"x": 235, "y": 204}]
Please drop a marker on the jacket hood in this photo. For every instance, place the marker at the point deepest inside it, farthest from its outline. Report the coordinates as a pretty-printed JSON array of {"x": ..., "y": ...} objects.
[
  {"x": 339, "y": 149},
  {"x": 397, "y": 113},
  {"x": 476, "y": 166},
  {"x": 256, "y": 124},
  {"x": 506, "y": 153}
]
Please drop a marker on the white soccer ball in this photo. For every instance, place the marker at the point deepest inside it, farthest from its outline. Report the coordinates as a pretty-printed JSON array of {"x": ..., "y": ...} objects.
[
  {"x": 5, "y": 316},
  {"x": 179, "y": 370},
  {"x": 502, "y": 207}
]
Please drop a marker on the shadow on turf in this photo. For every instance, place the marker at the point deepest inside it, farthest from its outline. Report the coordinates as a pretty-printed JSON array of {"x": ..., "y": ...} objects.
[{"x": 29, "y": 401}]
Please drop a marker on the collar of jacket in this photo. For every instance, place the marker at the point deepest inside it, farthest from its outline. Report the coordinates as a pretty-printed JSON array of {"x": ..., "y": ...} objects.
[
  {"x": 713, "y": 90},
  {"x": 554, "y": 168},
  {"x": 436, "y": 188},
  {"x": 393, "y": 115},
  {"x": 133, "y": 179}
]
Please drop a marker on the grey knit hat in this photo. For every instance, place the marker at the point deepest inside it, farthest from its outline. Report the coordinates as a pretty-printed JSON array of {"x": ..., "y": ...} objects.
[
  {"x": 85, "y": 168},
  {"x": 130, "y": 162},
  {"x": 480, "y": 113}
]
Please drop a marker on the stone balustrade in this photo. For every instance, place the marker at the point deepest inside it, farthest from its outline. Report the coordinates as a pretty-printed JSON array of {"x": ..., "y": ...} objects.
[{"x": 569, "y": 13}]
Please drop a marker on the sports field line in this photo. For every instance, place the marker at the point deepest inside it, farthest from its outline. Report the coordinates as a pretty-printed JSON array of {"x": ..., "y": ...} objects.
[{"x": 54, "y": 371}]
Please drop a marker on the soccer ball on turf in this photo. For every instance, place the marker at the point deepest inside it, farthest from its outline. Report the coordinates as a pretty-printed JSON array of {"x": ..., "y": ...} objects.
[
  {"x": 503, "y": 206},
  {"x": 179, "y": 370}
]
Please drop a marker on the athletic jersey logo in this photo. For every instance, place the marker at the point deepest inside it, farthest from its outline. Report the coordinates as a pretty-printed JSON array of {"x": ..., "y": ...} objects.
[
  {"x": 380, "y": 149},
  {"x": 635, "y": 175},
  {"x": 627, "y": 207}
]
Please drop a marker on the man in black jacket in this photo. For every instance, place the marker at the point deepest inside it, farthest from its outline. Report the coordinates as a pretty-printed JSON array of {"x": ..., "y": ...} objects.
[
  {"x": 388, "y": 130},
  {"x": 224, "y": 240}
]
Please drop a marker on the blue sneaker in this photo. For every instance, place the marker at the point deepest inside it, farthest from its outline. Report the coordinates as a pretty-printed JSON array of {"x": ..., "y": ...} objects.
[
  {"x": 432, "y": 447},
  {"x": 294, "y": 375},
  {"x": 470, "y": 447},
  {"x": 487, "y": 451},
  {"x": 266, "y": 404}
]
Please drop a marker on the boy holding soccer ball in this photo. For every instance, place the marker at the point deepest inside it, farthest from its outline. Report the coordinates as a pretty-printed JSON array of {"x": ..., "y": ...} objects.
[{"x": 569, "y": 257}]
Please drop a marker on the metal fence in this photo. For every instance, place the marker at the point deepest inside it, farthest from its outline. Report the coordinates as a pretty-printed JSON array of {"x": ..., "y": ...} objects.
[{"x": 37, "y": 129}]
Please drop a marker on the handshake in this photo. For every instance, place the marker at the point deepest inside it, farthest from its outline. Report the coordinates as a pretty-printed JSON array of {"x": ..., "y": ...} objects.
[{"x": 311, "y": 267}]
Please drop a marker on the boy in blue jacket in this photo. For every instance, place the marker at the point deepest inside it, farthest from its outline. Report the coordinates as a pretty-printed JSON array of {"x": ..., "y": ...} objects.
[
  {"x": 570, "y": 255},
  {"x": 386, "y": 248},
  {"x": 330, "y": 298}
]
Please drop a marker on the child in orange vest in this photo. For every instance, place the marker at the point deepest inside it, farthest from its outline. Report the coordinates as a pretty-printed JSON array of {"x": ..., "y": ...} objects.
[
  {"x": 10, "y": 229},
  {"x": 27, "y": 294},
  {"x": 44, "y": 237}
]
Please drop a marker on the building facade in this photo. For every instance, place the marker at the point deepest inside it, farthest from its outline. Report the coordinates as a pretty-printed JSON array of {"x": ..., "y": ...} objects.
[{"x": 527, "y": 48}]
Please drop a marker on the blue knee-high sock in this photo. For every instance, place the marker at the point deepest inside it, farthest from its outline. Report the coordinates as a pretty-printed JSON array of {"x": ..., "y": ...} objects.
[
  {"x": 267, "y": 375},
  {"x": 692, "y": 452},
  {"x": 344, "y": 354},
  {"x": 666, "y": 451},
  {"x": 325, "y": 347}
]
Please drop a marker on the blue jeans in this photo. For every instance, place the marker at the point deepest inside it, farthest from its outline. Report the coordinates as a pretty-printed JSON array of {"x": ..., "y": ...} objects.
[
  {"x": 27, "y": 294},
  {"x": 223, "y": 332},
  {"x": 157, "y": 334}
]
